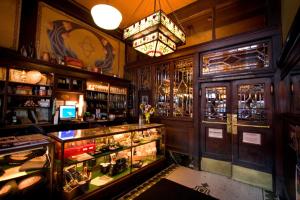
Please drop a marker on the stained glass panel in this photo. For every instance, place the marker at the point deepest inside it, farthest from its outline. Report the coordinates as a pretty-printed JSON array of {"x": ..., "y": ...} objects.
[
  {"x": 215, "y": 106},
  {"x": 251, "y": 102},
  {"x": 163, "y": 90},
  {"x": 183, "y": 89},
  {"x": 243, "y": 58}
]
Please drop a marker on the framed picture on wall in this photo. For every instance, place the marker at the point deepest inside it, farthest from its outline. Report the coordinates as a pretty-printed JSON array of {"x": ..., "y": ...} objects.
[
  {"x": 65, "y": 38},
  {"x": 145, "y": 97}
]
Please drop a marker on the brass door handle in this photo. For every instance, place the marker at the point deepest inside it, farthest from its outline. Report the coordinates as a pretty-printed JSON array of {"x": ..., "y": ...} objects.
[
  {"x": 209, "y": 122},
  {"x": 254, "y": 126}
]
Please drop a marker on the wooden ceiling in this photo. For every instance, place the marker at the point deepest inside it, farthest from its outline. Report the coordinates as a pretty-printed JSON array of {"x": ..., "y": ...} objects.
[
  {"x": 134, "y": 10},
  {"x": 202, "y": 20}
]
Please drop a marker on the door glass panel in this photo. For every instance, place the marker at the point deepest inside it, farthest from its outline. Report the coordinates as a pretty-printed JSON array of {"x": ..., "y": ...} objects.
[
  {"x": 215, "y": 106},
  {"x": 249, "y": 57},
  {"x": 163, "y": 90},
  {"x": 183, "y": 89},
  {"x": 251, "y": 102}
]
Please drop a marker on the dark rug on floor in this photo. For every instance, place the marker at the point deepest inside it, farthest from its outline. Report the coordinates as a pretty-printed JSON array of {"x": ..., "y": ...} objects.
[{"x": 166, "y": 189}]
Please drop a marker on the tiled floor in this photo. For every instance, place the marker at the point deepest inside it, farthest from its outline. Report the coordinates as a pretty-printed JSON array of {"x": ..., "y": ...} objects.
[{"x": 217, "y": 186}]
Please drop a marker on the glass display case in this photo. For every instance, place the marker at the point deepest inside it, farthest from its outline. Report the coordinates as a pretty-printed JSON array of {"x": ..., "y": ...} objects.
[
  {"x": 88, "y": 160},
  {"x": 2, "y": 91},
  {"x": 26, "y": 167}
]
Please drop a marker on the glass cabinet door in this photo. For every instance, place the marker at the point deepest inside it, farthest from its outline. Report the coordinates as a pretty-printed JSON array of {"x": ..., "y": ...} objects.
[
  {"x": 183, "y": 89},
  {"x": 163, "y": 90}
]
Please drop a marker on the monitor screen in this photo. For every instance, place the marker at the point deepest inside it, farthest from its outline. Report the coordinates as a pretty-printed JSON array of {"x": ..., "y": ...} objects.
[
  {"x": 66, "y": 134},
  {"x": 67, "y": 112}
]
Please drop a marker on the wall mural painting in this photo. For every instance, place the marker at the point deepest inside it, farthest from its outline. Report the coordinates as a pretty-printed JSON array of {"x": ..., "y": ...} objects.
[{"x": 77, "y": 44}]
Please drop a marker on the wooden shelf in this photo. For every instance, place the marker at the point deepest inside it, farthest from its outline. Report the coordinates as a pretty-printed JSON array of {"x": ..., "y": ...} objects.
[
  {"x": 96, "y": 100},
  {"x": 96, "y": 91},
  {"x": 26, "y": 107},
  {"x": 28, "y": 84},
  {"x": 24, "y": 95},
  {"x": 70, "y": 91}
]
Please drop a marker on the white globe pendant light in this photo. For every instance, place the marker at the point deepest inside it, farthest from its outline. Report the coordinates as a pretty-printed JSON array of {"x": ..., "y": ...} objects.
[{"x": 106, "y": 16}]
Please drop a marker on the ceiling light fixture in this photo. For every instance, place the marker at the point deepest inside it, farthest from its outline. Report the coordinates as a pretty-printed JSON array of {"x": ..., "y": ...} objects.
[
  {"x": 155, "y": 35},
  {"x": 106, "y": 16}
]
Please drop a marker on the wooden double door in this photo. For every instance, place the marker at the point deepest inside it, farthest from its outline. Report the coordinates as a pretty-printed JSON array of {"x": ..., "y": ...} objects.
[{"x": 236, "y": 121}]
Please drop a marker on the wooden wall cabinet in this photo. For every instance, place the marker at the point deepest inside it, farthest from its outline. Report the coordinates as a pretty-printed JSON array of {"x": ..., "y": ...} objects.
[
  {"x": 26, "y": 96},
  {"x": 71, "y": 84},
  {"x": 31, "y": 98}
]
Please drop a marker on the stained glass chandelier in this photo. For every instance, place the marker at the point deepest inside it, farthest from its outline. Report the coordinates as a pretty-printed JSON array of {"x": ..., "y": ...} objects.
[{"x": 155, "y": 35}]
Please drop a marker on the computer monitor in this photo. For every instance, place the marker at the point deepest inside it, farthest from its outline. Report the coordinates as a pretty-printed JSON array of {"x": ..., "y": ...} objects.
[{"x": 67, "y": 112}]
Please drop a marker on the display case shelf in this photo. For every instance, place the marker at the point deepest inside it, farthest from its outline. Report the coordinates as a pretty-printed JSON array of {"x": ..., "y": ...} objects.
[
  {"x": 17, "y": 175},
  {"x": 26, "y": 159}
]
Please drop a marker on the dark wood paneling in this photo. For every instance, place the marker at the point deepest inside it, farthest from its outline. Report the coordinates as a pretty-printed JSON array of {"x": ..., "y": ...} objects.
[
  {"x": 179, "y": 135},
  {"x": 289, "y": 57},
  {"x": 295, "y": 94},
  {"x": 258, "y": 157},
  {"x": 216, "y": 148},
  {"x": 28, "y": 23}
]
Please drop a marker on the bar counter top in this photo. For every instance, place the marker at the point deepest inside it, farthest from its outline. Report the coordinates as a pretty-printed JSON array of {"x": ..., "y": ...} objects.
[{"x": 80, "y": 134}]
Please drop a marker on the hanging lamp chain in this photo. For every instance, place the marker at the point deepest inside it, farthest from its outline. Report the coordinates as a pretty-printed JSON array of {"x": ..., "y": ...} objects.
[
  {"x": 173, "y": 13},
  {"x": 136, "y": 9}
]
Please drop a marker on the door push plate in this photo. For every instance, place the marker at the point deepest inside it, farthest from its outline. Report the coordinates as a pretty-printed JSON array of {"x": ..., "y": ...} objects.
[
  {"x": 234, "y": 124},
  {"x": 229, "y": 125}
]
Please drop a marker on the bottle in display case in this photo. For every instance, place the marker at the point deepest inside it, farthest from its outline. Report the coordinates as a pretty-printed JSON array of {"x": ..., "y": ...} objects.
[{"x": 93, "y": 158}]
